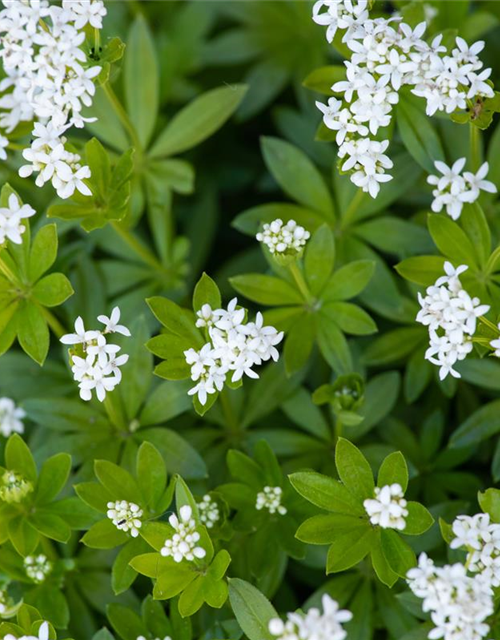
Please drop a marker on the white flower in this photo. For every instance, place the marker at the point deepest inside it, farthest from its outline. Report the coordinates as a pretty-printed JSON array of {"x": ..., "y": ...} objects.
[
  {"x": 340, "y": 14},
  {"x": 182, "y": 545},
  {"x": 458, "y": 604},
  {"x": 98, "y": 369},
  {"x": 313, "y": 625},
  {"x": 451, "y": 315},
  {"x": 235, "y": 346},
  {"x": 111, "y": 323},
  {"x": 270, "y": 498},
  {"x": 283, "y": 239},
  {"x": 126, "y": 516},
  {"x": 388, "y": 508},
  {"x": 10, "y": 417},
  {"x": 11, "y": 227},
  {"x": 209, "y": 511},
  {"x": 86, "y": 11},
  {"x": 37, "y": 567}
]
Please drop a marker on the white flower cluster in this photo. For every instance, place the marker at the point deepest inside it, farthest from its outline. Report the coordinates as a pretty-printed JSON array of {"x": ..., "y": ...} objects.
[
  {"x": 270, "y": 498},
  {"x": 235, "y": 345},
  {"x": 99, "y": 368},
  {"x": 495, "y": 344},
  {"x": 388, "y": 508},
  {"x": 209, "y": 511},
  {"x": 451, "y": 315},
  {"x": 11, "y": 417},
  {"x": 182, "y": 545},
  {"x": 11, "y": 217},
  {"x": 453, "y": 188},
  {"x": 49, "y": 78},
  {"x": 313, "y": 625},
  {"x": 37, "y": 567},
  {"x": 385, "y": 57},
  {"x": 458, "y": 603},
  {"x": 283, "y": 239},
  {"x": 481, "y": 538},
  {"x": 43, "y": 632},
  {"x": 126, "y": 516}
]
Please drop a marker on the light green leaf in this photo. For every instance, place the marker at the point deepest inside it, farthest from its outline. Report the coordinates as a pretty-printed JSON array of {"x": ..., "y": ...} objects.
[{"x": 354, "y": 470}]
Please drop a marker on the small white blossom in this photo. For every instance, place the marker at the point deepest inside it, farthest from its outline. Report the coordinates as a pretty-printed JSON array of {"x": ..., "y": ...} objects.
[
  {"x": 97, "y": 368},
  {"x": 37, "y": 567},
  {"x": 126, "y": 516},
  {"x": 284, "y": 239},
  {"x": 11, "y": 417},
  {"x": 270, "y": 498},
  {"x": 451, "y": 316},
  {"x": 183, "y": 544},
  {"x": 481, "y": 539},
  {"x": 458, "y": 604},
  {"x": 314, "y": 624},
  {"x": 235, "y": 346},
  {"x": 453, "y": 188},
  {"x": 4, "y": 143},
  {"x": 11, "y": 217},
  {"x": 209, "y": 511},
  {"x": 388, "y": 508}
]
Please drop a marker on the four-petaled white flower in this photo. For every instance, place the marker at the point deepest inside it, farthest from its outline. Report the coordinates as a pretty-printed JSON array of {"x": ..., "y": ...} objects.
[
  {"x": 11, "y": 217},
  {"x": 11, "y": 417},
  {"x": 387, "y": 508}
]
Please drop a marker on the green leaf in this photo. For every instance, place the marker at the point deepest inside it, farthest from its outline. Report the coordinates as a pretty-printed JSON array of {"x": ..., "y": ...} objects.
[
  {"x": 297, "y": 175},
  {"x": 480, "y": 425},
  {"x": 151, "y": 474},
  {"x": 94, "y": 495},
  {"x": 489, "y": 501},
  {"x": 104, "y": 535},
  {"x": 326, "y": 493},
  {"x": 120, "y": 484},
  {"x": 53, "y": 476},
  {"x": 177, "y": 320},
  {"x": 50, "y": 525},
  {"x": 141, "y": 79},
  {"x": 395, "y": 345},
  {"x": 319, "y": 259},
  {"x": 24, "y": 538},
  {"x": 267, "y": 290},
  {"x": 397, "y": 552},
  {"x": 354, "y": 470},
  {"x": 322, "y": 79},
  {"x": 126, "y": 622},
  {"x": 252, "y": 609},
  {"x": 424, "y": 270},
  {"x": 382, "y": 568},
  {"x": 198, "y": 121},
  {"x": 122, "y": 574},
  {"x": 206, "y": 292},
  {"x": 451, "y": 240},
  {"x": 474, "y": 223},
  {"x": 52, "y": 290},
  {"x": 349, "y": 281},
  {"x": 393, "y": 470},
  {"x": 325, "y": 529},
  {"x": 418, "y": 134},
  {"x": 33, "y": 333},
  {"x": 350, "y": 548},
  {"x": 299, "y": 343},
  {"x": 333, "y": 345},
  {"x": 43, "y": 252},
  {"x": 18, "y": 458},
  {"x": 350, "y": 318},
  {"x": 418, "y": 520}
]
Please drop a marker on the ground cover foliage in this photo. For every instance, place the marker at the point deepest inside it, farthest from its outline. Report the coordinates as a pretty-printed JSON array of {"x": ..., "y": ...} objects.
[{"x": 177, "y": 464}]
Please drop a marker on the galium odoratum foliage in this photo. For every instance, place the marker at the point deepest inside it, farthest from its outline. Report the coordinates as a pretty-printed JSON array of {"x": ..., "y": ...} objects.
[{"x": 299, "y": 428}]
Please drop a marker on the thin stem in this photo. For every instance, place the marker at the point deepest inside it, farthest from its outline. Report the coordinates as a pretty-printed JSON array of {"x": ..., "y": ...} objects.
[
  {"x": 227, "y": 410},
  {"x": 488, "y": 323},
  {"x": 299, "y": 280},
  {"x": 97, "y": 41},
  {"x": 123, "y": 115},
  {"x": 338, "y": 429},
  {"x": 352, "y": 208},
  {"x": 114, "y": 411},
  {"x": 53, "y": 322},
  {"x": 136, "y": 245},
  {"x": 475, "y": 148}
]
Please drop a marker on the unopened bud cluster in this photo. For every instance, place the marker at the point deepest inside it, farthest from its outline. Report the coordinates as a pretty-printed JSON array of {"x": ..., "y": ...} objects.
[
  {"x": 388, "y": 508},
  {"x": 284, "y": 238},
  {"x": 13, "y": 487},
  {"x": 209, "y": 511},
  {"x": 270, "y": 498},
  {"x": 37, "y": 567},
  {"x": 126, "y": 516},
  {"x": 183, "y": 544}
]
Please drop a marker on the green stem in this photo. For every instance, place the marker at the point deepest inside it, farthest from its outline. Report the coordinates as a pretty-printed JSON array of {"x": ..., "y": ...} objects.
[
  {"x": 299, "y": 280},
  {"x": 488, "y": 323},
  {"x": 53, "y": 322},
  {"x": 352, "y": 208},
  {"x": 338, "y": 429},
  {"x": 115, "y": 414},
  {"x": 475, "y": 147},
  {"x": 97, "y": 41},
  {"x": 123, "y": 115},
  {"x": 227, "y": 410},
  {"x": 136, "y": 245}
]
